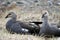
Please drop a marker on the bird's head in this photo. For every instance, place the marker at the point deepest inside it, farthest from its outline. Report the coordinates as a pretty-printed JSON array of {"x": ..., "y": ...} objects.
[
  {"x": 45, "y": 15},
  {"x": 11, "y": 15}
]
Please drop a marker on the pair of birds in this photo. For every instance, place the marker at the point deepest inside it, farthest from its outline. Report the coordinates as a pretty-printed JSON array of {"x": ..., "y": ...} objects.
[{"x": 14, "y": 26}]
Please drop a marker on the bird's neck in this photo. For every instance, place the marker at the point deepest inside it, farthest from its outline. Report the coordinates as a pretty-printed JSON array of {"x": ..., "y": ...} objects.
[
  {"x": 13, "y": 19},
  {"x": 45, "y": 21}
]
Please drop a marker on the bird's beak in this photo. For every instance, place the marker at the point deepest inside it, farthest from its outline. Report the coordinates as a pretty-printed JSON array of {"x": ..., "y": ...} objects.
[
  {"x": 6, "y": 16},
  {"x": 42, "y": 15}
]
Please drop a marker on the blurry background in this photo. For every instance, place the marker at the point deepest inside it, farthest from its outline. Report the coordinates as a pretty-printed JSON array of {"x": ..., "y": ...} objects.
[{"x": 26, "y": 11}]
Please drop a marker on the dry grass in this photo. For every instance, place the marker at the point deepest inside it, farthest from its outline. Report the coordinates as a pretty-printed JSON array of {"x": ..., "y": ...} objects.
[{"x": 25, "y": 16}]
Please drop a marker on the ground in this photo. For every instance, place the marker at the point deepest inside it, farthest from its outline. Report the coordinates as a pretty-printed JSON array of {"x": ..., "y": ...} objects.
[{"x": 27, "y": 16}]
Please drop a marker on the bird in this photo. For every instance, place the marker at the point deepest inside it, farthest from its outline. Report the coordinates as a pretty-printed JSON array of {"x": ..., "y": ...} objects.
[
  {"x": 15, "y": 26},
  {"x": 48, "y": 29}
]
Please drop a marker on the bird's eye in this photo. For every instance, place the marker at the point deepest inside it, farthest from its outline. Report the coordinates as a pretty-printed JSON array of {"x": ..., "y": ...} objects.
[
  {"x": 45, "y": 13},
  {"x": 9, "y": 14}
]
